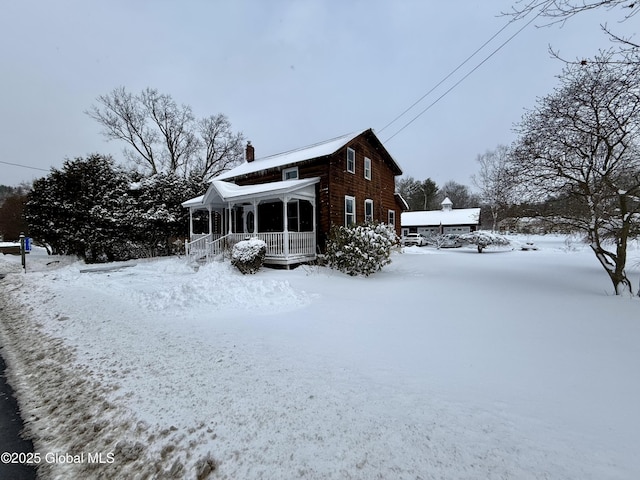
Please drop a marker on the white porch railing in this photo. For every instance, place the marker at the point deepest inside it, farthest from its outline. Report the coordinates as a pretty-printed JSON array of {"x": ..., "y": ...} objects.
[
  {"x": 209, "y": 246},
  {"x": 197, "y": 247},
  {"x": 302, "y": 243},
  {"x": 218, "y": 245}
]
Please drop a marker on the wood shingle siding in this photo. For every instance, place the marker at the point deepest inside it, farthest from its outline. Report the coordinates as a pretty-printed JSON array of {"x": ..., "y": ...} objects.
[{"x": 327, "y": 162}]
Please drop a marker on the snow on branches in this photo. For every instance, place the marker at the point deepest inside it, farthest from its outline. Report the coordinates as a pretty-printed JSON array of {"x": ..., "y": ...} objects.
[
  {"x": 483, "y": 240},
  {"x": 248, "y": 255},
  {"x": 360, "y": 249}
]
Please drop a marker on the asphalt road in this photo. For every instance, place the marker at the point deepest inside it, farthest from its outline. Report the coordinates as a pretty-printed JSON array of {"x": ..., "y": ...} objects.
[{"x": 10, "y": 427}]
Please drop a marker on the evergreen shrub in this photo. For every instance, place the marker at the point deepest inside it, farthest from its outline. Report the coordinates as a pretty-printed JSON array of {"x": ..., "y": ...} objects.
[
  {"x": 360, "y": 249},
  {"x": 248, "y": 255}
]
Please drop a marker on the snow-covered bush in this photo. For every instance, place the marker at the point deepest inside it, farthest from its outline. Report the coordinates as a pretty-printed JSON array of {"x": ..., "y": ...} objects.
[
  {"x": 483, "y": 240},
  {"x": 248, "y": 255},
  {"x": 100, "y": 212},
  {"x": 446, "y": 240},
  {"x": 360, "y": 249}
]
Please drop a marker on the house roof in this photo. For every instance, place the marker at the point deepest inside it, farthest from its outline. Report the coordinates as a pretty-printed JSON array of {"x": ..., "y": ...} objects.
[
  {"x": 405, "y": 205},
  {"x": 194, "y": 202},
  {"x": 293, "y": 157},
  {"x": 460, "y": 216},
  {"x": 220, "y": 192}
]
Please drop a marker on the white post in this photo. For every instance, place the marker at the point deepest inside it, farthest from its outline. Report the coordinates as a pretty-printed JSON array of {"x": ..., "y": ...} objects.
[
  {"x": 255, "y": 217},
  {"x": 313, "y": 225},
  {"x": 229, "y": 218},
  {"x": 190, "y": 223},
  {"x": 210, "y": 221},
  {"x": 285, "y": 235}
]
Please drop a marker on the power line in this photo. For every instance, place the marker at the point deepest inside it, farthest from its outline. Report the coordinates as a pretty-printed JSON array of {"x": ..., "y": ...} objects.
[
  {"x": 24, "y": 166},
  {"x": 449, "y": 75},
  {"x": 465, "y": 76}
]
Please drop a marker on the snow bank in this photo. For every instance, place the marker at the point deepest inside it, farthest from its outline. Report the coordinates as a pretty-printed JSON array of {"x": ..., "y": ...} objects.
[{"x": 452, "y": 365}]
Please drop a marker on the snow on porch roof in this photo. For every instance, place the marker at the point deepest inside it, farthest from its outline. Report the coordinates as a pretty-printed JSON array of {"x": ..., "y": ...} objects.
[
  {"x": 291, "y": 157},
  {"x": 460, "y": 216},
  {"x": 194, "y": 202},
  {"x": 225, "y": 192}
]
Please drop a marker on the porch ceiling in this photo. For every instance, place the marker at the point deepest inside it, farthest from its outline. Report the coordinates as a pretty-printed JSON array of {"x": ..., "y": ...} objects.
[{"x": 221, "y": 193}]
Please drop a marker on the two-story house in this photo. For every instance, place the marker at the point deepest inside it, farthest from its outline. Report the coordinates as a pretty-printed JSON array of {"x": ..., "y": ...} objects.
[{"x": 291, "y": 200}]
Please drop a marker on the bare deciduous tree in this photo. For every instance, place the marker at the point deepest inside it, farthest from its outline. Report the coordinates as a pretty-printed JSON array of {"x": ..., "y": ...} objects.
[
  {"x": 559, "y": 11},
  {"x": 123, "y": 118},
  {"x": 495, "y": 181},
  {"x": 222, "y": 149},
  {"x": 581, "y": 143},
  {"x": 176, "y": 125},
  {"x": 163, "y": 136}
]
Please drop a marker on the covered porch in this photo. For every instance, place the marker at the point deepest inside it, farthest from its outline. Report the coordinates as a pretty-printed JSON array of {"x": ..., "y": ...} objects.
[{"x": 282, "y": 214}]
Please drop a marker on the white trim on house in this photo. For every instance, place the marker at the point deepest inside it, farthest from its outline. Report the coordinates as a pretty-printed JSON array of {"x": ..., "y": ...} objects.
[
  {"x": 349, "y": 217},
  {"x": 367, "y": 168},
  {"x": 221, "y": 193},
  {"x": 368, "y": 210},
  {"x": 351, "y": 160},
  {"x": 290, "y": 173},
  {"x": 226, "y": 198}
]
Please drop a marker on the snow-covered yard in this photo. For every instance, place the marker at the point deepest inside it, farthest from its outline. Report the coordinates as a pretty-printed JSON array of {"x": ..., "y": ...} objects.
[{"x": 445, "y": 365}]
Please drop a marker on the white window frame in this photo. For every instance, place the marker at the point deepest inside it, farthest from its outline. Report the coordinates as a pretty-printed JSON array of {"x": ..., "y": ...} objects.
[
  {"x": 368, "y": 217},
  {"x": 287, "y": 171},
  {"x": 351, "y": 162},
  {"x": 391, "y": 217},
  {"x": 367, "y": 168},
  {"x": 348, "y": 215}
]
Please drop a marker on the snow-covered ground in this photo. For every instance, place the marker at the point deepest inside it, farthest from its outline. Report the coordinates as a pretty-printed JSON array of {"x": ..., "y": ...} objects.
[{"x": 445, "y": 365}]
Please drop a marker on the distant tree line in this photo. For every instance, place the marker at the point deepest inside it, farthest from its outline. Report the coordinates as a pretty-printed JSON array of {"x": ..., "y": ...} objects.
[
  {"x": 12, "y": 222},
  {"x": 426, "y": 195}
]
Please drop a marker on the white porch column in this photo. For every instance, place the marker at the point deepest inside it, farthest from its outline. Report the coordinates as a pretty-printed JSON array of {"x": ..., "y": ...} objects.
[
  {"x": 313, "y": 225},
  {"x": 190, "y": 223},
  {"x": 285, "y": 235},
  {"x": 229, "y": 218},
  {"x": 210, "y": 221},
  {"x": 255, "y": 217}
]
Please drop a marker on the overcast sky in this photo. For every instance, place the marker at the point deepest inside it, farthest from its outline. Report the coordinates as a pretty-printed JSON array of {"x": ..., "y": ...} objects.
[{"x": 286, "y": 73}]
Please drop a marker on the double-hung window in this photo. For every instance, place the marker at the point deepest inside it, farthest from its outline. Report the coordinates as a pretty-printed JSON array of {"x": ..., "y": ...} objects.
[
  {"x": 392, "y": 218},
  {"x": 351, "y": 160},
  {"x": 367, "y": 168},
  {"x": 349, "y": 210},
  {"x": 368, "y": 210}
]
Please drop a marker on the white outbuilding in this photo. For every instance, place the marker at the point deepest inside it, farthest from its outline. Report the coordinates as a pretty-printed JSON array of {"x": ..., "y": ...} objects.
[{"x": 445, "y": 221}]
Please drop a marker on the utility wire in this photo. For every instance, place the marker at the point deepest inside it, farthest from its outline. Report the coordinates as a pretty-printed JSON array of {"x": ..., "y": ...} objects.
[
  {"x": 24, "y": 166},
  {"x": 449, "y": 75},
  {"x": 465, "y": 76}
]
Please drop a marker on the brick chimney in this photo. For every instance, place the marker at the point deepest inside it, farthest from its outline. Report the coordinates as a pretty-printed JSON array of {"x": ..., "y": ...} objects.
[{"x": 249, "y": 153}]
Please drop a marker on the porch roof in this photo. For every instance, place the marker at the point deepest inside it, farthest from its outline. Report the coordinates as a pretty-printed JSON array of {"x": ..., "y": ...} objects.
[{"x": 221, "y": 193}]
